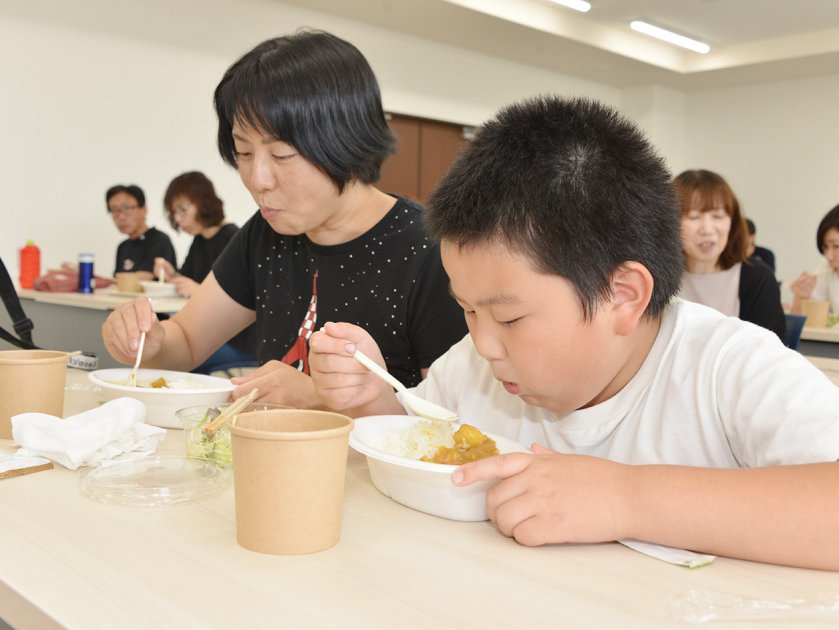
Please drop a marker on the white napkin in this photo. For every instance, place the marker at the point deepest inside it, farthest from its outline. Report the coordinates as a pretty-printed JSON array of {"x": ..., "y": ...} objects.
[
  {"x": 88, "y": 438},
  {"x": 672, "y": 555}
]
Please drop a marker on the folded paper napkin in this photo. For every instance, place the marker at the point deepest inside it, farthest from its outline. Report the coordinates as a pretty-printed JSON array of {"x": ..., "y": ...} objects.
[
  {"x": 672, "y": 555},
  {"x": 88, "y": 438}
]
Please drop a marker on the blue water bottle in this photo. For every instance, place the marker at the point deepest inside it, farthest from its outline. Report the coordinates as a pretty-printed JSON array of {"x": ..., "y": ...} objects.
[{"x": 86, "y": 280}]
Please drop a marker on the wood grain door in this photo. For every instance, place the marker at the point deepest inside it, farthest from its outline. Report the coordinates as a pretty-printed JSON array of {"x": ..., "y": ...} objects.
[{"x": 425, "y": 150}]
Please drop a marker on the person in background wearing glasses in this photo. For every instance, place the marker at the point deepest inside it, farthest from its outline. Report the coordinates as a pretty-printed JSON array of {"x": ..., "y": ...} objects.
[
  {"x": 824, "y": 283},
  {"x": 192, "y": 206},
  {"x": 127, "y": 207}
]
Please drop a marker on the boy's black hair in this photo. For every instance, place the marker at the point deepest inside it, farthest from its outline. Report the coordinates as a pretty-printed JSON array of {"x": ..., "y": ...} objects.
[
  {"x": 830, "y": 221},
  {"x": 130, "y": 189},
  {"x": 573, "y": 186},
  {"x": 317, "y": 93},
  {"x": 199, "y": 190}
]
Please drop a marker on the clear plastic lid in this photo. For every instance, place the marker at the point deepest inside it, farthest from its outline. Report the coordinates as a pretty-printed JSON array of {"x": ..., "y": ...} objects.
[{"x": 154, "y": 481}]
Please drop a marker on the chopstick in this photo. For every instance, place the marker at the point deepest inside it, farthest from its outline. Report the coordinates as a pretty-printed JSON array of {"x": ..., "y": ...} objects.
[
  {"x": 228, "y": 411},
  {"x": 16, "y": 472}
]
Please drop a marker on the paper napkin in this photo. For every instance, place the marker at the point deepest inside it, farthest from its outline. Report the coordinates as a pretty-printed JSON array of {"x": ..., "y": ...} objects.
[
  {"x": 672, "y": 555},
  {"x": 88, "y": 438}
]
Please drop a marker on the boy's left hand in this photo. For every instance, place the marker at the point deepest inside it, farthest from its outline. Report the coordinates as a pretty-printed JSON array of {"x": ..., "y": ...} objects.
[{"x": 547, "y": 497}]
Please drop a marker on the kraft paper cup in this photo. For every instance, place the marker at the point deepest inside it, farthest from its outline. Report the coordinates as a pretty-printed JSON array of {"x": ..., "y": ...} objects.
[
  {"x": 288, "y": 479},
  {"x": 816, "y": 312},
  {"x": 30, "y": 380},
  {"x": 128, "y": 281}
]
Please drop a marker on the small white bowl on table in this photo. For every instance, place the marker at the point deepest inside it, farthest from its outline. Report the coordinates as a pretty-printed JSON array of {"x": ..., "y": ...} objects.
[
  {"x": 423, "y": 486},
  {"x": 154, "y": 288},
  {"x": 162, "y": 404}
]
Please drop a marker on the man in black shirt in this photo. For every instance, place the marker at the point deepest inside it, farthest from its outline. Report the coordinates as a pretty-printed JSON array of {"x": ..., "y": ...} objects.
[{"x": 127, "y": 207}]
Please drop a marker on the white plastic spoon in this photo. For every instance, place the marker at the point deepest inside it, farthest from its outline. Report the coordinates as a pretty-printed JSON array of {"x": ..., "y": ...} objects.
[
  {"x": 132, "y": 378},
  {"x": 417, "y": 405}
]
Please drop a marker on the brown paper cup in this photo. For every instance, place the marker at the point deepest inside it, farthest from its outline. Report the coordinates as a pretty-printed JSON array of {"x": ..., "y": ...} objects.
[
  {"x": 128, "y": 281},
  {"x": 816, "y": 312},
  {"x": 288, "y": 478},
  {"x": 30, "y": 380}
]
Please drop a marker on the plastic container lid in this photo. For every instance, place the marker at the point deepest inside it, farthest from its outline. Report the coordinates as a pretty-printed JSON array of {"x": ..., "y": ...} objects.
[{"x": 154, "y": 481}]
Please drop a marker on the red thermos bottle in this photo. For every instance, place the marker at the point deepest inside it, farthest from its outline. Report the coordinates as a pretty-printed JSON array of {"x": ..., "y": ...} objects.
[{"x": 30, "y": 264}]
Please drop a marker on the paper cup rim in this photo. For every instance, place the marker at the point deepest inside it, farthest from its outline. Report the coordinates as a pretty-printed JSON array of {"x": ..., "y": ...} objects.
[
  {"x": 43, "y": 357},
  {"x": 317, "y": 434}
]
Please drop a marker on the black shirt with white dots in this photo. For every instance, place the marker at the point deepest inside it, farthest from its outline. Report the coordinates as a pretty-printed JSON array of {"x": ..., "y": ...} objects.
[{"x": 390, "y": 281}]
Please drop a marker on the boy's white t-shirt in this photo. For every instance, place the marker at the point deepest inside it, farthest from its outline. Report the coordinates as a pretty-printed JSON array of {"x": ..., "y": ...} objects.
[
  {"x": 714, "y": 391},
  {"x": 827, "y": 287}
]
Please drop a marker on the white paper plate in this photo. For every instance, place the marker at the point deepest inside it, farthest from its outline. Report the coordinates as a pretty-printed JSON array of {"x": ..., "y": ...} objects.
[{"x": 424, "y": 486}]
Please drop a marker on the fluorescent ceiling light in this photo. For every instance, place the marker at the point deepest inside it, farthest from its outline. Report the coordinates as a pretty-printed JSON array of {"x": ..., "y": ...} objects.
[
  {"x": 579, "y": 5},
  {"x": 668, "y": 36}
]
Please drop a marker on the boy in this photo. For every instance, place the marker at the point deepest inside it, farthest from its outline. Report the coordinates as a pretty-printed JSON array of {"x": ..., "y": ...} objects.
[{"x": 668, "y": 422}]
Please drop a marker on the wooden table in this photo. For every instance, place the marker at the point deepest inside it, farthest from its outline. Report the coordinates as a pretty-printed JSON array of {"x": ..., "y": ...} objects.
[
  {"x": 820, "y": 342},
  {"x": 73, "y": 321},
  {"x": 829, "y": 366},
  {"x": 67, "y": 561}
]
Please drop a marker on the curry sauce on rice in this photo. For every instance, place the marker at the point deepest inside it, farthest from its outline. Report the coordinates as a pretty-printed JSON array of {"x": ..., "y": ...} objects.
[{"x": 440, "y": 443}]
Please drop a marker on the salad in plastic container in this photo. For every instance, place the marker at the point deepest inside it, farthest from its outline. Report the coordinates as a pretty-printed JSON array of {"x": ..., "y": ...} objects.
[{"x": 214, "y": 448}]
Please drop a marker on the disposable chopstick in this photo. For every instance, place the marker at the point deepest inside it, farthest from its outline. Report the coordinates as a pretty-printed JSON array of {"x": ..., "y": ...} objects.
[{"x": 16, "y": 472}]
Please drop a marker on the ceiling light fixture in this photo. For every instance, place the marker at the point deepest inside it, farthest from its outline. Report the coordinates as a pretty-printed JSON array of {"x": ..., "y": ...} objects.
[
  {"x": 669, "y": 36},
  {"x": 578, "y": 5}
]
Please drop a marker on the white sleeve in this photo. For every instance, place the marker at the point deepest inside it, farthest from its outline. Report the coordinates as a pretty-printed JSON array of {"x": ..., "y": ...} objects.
[{"x": 777, "y": 407}]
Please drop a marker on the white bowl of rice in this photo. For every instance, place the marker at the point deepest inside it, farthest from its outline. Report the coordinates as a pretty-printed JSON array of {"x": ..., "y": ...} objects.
[
  {"x": 393, "y": 446},
  {"x": 182, "y": 389}
]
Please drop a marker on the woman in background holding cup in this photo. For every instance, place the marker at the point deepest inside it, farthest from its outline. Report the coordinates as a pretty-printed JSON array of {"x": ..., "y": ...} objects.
[
  {"x": 824, "y": 284},
  {"x": 717, "y": 272}
]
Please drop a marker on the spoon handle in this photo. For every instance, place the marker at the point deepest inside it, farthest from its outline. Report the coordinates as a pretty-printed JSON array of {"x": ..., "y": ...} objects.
[
  {"x": 132, "y": 378},
  {"x": 378, "y": 370}
]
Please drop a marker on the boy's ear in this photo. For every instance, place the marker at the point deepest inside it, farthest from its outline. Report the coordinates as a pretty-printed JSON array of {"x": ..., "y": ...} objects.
[{"x": 632, "y": 288}]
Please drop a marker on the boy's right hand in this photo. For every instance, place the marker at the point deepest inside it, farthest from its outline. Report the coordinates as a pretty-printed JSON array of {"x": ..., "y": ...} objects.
[
  {"x": 341, "y": 382},
  {"x": 121, "y": 331}
]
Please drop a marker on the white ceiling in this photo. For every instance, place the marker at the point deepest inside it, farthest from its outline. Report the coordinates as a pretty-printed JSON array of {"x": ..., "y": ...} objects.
[{"x": 751, "y": 40}]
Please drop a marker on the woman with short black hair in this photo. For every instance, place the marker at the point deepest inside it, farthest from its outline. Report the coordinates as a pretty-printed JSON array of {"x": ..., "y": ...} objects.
[{"x": 300, "y": 117}]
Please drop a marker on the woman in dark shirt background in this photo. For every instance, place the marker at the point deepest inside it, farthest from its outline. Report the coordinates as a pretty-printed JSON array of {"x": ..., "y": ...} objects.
[{"x": 192, "y": 206}]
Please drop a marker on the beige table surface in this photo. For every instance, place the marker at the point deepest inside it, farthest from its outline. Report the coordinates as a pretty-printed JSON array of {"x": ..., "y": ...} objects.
[
  {"x": 67, "y": 561},
  {"x": 821, "y": 334},
  {"x": 101, "y": 299},
  {"x": 827, "y": 365}
]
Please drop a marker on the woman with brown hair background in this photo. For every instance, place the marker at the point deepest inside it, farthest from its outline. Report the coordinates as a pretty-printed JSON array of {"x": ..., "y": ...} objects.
[
  {"x": 717, "y": 272},
  {"x": 192, "y": 206}
]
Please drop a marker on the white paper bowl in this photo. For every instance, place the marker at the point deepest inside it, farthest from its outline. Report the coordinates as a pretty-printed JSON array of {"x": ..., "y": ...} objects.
[
  {"x": 162, "y": 404},
  {"x": 153, "y": 288},
  {"x": 424, "y": 486}
]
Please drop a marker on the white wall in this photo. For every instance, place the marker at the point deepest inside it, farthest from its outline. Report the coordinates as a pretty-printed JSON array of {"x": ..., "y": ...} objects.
[
  {"x": 778, "y": 146},
  {"x": 98, "y": 92}
]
